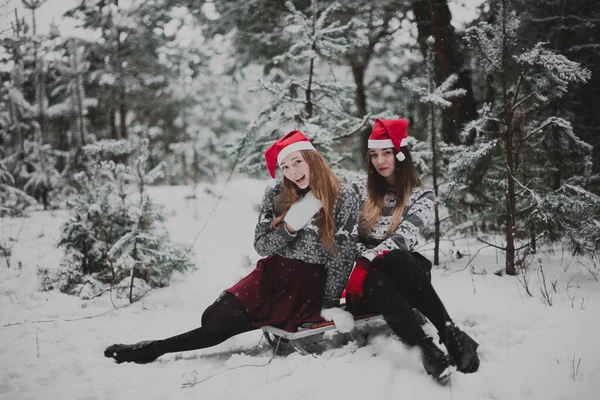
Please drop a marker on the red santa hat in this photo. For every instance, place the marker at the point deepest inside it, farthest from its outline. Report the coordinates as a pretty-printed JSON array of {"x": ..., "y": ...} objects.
[
  {"x": 388, "y": 133},
  {"x": 293, "y": 141}
]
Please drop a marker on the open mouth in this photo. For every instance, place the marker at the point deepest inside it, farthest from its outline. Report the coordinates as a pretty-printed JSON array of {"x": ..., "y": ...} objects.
[{"x": 300, "y": 179}]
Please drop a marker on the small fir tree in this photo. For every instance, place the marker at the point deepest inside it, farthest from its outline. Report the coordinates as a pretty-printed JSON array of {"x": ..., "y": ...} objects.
[
  {"x": 13, "y": 201},
  {"x": 436, "y": 98},
  {"x": 113, "y": 237},
  {"x": 505, "y": 179},
  {"x": 303, "y": 95}
]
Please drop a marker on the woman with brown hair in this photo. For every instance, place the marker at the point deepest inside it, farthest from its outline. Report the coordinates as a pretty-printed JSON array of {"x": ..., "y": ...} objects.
[
  {"x": 390, "y": 277},
  {"x": 305, "y": 232}
]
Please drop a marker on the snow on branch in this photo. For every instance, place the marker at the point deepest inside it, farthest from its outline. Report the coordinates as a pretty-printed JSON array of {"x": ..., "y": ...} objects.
[
  {"x": 565, "y": 127},
  {"x": 551, "y": 72}
]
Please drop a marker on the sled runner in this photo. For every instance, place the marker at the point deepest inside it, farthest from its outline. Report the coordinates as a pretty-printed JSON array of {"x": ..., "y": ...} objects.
[{"x": 311, "y": 332}]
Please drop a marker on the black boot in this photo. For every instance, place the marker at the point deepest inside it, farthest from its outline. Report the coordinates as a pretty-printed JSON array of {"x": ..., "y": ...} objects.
[
  {"x": 437, "y": 364},
  {"x": 462, "y": 348},
  {"x": 141, "y": 352}
]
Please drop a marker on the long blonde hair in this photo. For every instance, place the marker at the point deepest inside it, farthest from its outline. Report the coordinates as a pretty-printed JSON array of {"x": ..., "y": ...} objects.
[
  {"x": 325, "y": 187},
  {"x": 406, "y": 178}
]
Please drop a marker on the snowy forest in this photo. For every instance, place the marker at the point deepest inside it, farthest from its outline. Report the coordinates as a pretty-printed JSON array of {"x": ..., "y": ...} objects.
[
  {"x": 503, "y": 113},
  {"x": 125, "y": 141}
]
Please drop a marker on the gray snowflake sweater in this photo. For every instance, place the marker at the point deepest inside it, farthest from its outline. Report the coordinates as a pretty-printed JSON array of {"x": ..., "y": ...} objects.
[
  {"x": 417, "y": 214},
  {"x": 304, "y": 244}
]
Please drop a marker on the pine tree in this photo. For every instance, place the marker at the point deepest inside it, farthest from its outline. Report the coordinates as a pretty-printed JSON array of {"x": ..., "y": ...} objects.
[
  {"x": 17, "y": 118},
  {"x": 113, "y": 236},
  {"x": 433, "y": 18},
  {"x": 197, "y": 158},
  {"x": 13, "y": 201},
  {"x": 436, "y": 98},
  {"x": 133, "y": 63},
  {"x": 571, "y": 28},
  {"x": 145, "y": 250},
  {"x": 258, "y": 31},
  {"x": 376, "y": 27},
  {"x": 32, "y": 162},
  {"x": 303, "y": 95},
  {"x": 505, "y": 176},
  {"x": 207, "y": 111},
  {"x": 70, "y": 85}
]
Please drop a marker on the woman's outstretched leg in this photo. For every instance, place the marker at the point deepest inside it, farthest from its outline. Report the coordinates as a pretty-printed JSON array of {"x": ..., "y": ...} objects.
[
  {"x": 221, "y": 320},
  {"x": 407, "y": 275},
  {"x": 382, "y": 295}
]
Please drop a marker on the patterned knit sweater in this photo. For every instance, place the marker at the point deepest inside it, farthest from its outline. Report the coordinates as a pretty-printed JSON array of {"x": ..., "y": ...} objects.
[
  {"x": 417, "y": 214},
  {"x": 304, "y": 244}
]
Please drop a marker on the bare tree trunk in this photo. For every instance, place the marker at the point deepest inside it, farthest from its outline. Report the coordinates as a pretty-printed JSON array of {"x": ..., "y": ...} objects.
[
  {"x": 184, "y": 169},
  {"x": 122, "y": 94},
  {"x": 19, "y": 142},
  {"x": 358, "y": 72},
  {"x": 80, "y": 97},
  {"x": 360, "y": 99},
  {"x": 308, "y": 92},
  {"x": 122, "y": 114},
  {"x": 113, "y": 123},
  {"x": 135, "y": 258},
  {"x": 434, "y": 19},
  {"x": 434, "y": 172},
  {"x": 511, "y": 219},
  {"x": 557, "y": 175},
  {"x": 40, "y": 99},
  {"x": 131, "y": 285},
  {"x": 40, "y": 95}
]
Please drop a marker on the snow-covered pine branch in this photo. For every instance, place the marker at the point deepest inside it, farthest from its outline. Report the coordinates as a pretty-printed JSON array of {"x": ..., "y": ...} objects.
[
  {"x": 304, "y": 93},
  {"x": 550, "y": 73}
]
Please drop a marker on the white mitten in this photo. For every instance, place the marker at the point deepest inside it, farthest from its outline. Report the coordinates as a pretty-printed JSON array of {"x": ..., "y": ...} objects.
[
  {"x": 342, "y": 319},
  {"x": 302, "y": 211}
]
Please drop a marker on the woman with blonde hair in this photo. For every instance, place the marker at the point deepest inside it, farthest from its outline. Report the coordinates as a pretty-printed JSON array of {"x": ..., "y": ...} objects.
[
  {"x": 390, "y": 277},
  {"x": 305, "y": 232}
]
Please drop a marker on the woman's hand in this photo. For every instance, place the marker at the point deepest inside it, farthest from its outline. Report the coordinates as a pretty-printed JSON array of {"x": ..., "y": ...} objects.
[
  {"x": 342, "y": 319},
  {"x": 289, "y": 228},
  {"x": 301, "y": 212}
]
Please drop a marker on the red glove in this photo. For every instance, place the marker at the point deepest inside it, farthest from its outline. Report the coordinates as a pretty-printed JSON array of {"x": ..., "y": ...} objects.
[{"x": 354, "y": 288}]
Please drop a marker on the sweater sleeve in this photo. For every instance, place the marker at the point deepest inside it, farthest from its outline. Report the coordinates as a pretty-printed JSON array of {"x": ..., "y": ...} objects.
[
  {"x": 340, "y": 265},
  {"x": 406, "y": 236},
  {"x": 268, "y": 240},
  {"x": 360, "y": 187}
]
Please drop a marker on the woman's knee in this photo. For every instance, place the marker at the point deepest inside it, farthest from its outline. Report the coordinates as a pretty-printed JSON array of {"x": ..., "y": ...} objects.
[
  {"x": 376, "y": 282},
  {"x": 216, "y": 313},
  {"x": 402, "y": 263},
  {"x": 400, "y": 257}
]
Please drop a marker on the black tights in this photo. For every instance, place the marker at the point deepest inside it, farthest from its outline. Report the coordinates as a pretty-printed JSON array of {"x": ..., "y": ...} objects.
[
  {"x": 398, "y": 284},
  {"x": 221, "y": 320}
]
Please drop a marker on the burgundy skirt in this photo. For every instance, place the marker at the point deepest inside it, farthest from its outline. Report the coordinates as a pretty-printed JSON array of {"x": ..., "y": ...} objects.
[{"x": 282, "y": 292}]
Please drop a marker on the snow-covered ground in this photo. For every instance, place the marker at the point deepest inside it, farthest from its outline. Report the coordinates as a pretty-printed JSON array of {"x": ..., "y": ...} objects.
[{"x": 51, "y": 344}]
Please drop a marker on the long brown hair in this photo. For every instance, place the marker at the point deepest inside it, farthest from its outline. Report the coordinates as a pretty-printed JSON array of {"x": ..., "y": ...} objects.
[
  {"x": 406, "y": 178},
  {"x": 325, "y": 187}
]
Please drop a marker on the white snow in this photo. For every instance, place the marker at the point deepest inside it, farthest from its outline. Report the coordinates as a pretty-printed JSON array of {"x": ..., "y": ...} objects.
[{"x": 528, "y": 350}]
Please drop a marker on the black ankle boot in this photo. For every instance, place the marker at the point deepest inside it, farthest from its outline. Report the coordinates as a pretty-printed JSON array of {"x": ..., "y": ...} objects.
[
  {"x": 140, "y": 353},
  {"x": 436, "y": 362},
  {"x": 462, "y": 348}
]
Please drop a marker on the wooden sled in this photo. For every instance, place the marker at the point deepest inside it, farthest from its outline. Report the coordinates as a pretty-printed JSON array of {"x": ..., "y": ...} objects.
[{"x": 312, "y": 332}]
